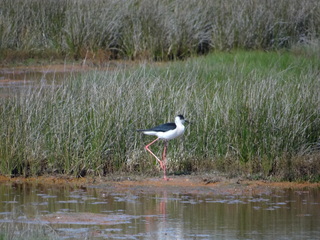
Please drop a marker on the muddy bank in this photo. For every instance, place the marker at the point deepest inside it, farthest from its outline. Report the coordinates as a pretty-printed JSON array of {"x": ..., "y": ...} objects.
[{"x": 195, "y": 184}]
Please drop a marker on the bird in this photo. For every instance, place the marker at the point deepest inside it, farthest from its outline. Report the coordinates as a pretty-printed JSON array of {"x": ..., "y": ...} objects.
[{"x": 165, "y": 132}]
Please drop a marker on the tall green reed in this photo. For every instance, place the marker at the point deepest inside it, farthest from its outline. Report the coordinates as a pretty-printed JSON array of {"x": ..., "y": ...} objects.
[{"x": 253, "y": 110}]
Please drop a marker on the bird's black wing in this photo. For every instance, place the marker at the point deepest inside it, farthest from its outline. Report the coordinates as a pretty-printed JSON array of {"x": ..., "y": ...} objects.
[{"x": 163, "y": 127}]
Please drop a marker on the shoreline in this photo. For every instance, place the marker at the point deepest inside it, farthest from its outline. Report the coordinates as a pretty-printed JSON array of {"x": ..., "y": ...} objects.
[{"x": 193, "y": 184}]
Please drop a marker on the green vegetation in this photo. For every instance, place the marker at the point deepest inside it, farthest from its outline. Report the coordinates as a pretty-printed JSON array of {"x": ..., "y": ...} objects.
[
  {"x": 151, "y": 29},
  {"x": 253, "y": 113}
]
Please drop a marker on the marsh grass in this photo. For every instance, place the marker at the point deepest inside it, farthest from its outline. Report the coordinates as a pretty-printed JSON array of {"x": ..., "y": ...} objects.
[
  {"x": 253, "y": 113},
  {"x": 100, "y": 30}
]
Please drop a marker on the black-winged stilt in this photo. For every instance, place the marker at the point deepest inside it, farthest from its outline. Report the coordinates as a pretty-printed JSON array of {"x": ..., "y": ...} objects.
[{"x": 166, "y": 132}]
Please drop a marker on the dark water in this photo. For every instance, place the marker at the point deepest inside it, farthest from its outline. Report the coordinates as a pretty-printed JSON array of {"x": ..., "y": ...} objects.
[{"x": 110, "y": 212}]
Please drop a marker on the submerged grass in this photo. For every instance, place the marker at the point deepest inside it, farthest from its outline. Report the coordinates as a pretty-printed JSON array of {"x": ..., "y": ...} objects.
[
  {"x": 17, "y": 226},
  {"x": 253, "y": 113}
]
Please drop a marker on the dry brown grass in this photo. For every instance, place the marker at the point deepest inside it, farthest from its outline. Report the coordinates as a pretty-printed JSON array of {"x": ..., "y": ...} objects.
[{"x": 148, "y": 29}]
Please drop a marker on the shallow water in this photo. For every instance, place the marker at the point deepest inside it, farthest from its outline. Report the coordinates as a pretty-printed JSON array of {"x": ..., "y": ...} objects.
[
  {"x": 110, "y": 212},
  {"x": 17, "y": 80}
]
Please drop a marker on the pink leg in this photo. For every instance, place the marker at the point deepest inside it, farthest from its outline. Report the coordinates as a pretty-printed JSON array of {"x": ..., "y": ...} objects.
[
  {"x": 147, "y": 148},
  {"x": 164, "y": 160}
]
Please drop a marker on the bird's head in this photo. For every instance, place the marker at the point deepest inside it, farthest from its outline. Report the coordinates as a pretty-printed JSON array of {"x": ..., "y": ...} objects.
[{"x": 181, "y": 119}]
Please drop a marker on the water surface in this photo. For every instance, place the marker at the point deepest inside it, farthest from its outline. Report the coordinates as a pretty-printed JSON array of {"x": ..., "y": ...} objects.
[
  {"x": 110, "y": 212},
  {"x": 16, "y": 80}
]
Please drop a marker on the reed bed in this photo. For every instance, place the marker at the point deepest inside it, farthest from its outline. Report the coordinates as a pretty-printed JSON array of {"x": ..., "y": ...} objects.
[
  {"x": 254, "y": 114},
  {"x": 151, "y": 29}
]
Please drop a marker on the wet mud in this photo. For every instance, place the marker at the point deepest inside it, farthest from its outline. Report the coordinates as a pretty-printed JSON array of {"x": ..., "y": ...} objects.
[{"x": 181, "y": 184}]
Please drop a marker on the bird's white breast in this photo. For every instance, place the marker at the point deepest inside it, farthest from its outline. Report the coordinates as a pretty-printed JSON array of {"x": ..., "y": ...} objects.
[{"x": 179, "y": 130}]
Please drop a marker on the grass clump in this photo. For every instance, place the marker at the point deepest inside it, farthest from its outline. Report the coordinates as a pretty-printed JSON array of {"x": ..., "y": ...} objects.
[
  {"x": 254, "y": 113},
  {"x": 99, "y": 30}
]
